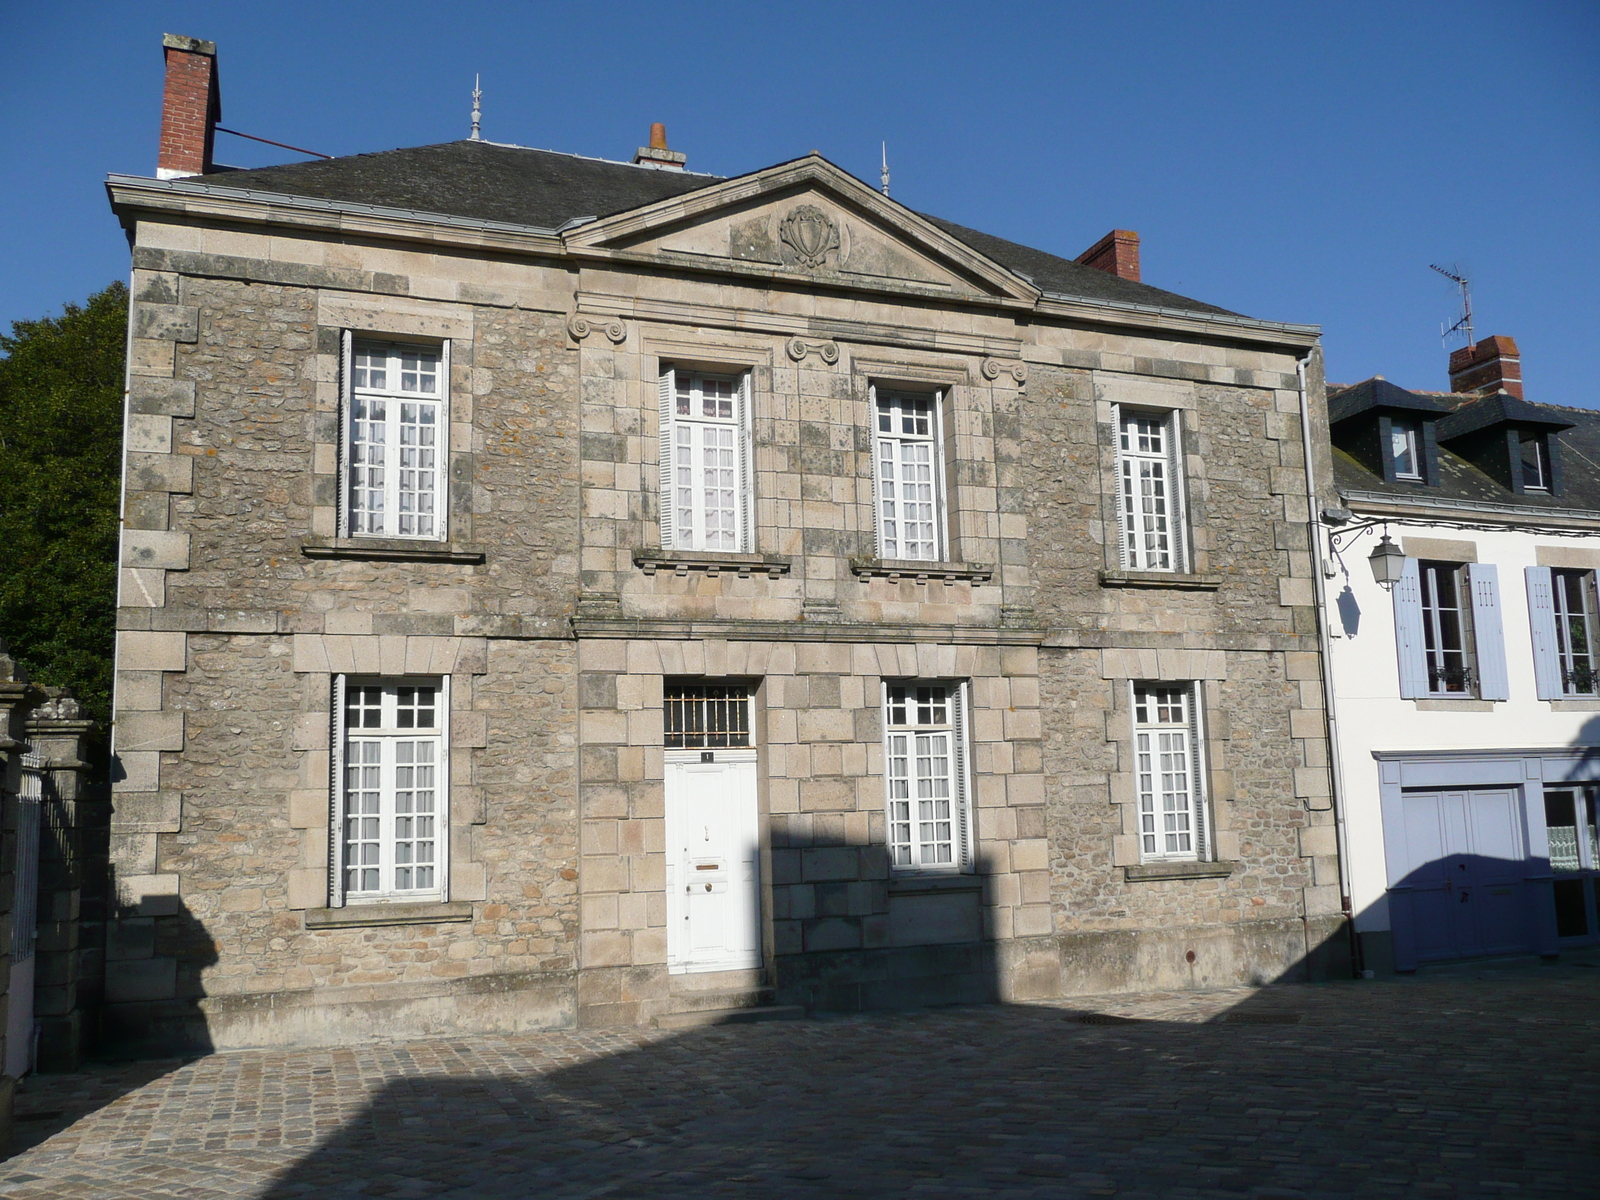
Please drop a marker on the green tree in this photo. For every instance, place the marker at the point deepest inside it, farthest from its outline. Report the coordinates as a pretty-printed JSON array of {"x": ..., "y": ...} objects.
[{"x": 61, "y": 386}]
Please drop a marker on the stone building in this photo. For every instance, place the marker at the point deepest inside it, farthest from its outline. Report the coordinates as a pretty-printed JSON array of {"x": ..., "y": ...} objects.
[{"x": 558, "y": 590}]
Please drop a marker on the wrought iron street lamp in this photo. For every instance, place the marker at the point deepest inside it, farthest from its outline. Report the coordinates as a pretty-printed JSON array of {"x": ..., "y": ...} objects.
[{"x": 1388, "y": 561}]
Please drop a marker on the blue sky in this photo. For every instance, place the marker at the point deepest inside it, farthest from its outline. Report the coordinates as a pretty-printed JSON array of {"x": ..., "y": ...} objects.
[{"x": 1294, "y": 162}]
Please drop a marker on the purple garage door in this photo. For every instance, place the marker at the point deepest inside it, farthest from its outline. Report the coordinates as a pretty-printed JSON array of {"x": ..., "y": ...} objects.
[{"x": 1456, "y": 880}]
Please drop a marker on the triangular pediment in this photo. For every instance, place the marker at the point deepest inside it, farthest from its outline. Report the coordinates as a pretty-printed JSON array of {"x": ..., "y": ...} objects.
[{"x": 808, "y": 220}]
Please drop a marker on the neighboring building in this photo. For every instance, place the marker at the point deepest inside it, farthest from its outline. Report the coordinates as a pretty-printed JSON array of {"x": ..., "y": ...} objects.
[
  {"x": 558, "y": 590},
  {"x": 1467, "y": 698}
]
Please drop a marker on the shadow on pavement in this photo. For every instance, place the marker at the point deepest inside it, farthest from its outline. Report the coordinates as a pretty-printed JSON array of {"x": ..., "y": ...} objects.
[{"x": 1314, "y": 1090}]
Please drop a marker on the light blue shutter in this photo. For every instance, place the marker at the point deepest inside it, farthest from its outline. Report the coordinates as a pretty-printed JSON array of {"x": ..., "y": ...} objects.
[
  {"x": 1484, "y": 580},
  {"x": 1408, "y": 644},
  {"x": 664, "y": 502},
  {"x": 1542, "y": 621}
]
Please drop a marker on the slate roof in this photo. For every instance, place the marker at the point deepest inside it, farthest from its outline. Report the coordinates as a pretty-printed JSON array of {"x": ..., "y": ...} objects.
[
  {"x": 545, "y": 189},
  {"x": 1459, "y": 479},
  {"x": 1379, "y": 395}
]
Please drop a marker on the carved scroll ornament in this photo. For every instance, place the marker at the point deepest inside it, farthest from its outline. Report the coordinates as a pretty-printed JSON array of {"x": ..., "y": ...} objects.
[
  {"x": 798, "y": 348},
  {"x": 992, "y": 368},
  {"x": 581, "y": 325}
]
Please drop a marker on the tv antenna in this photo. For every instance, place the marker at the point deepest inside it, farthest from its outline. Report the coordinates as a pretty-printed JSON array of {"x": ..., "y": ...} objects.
[
  {"x": 477, "y": 110},
  {"x": 1464, "y": 323}
]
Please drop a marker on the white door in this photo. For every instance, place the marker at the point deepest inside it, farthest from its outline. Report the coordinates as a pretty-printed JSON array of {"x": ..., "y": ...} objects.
[{"x": 713, "y": 897}]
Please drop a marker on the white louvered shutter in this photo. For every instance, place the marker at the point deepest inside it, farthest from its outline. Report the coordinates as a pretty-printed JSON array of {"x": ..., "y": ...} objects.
[
  {"x": 1542, "y": 622},
  {"x": 872, "y": 449},
  {"x": 1484, "y": 581},
  {"x": 747, "y": 482},
  {"x": 1123, "y": 515},
  {"x": 1198, "y": 791},
  {"x": 1410, "y": 652},
  {"x": 346, "y": 396},
  {"x": 336, "y": 794},
  {"x": 442, "y": 462},
  {"x": 665, "y": 501},
  {"x": 1176, "y": 496},
  {"x": 962, "y": 789}
]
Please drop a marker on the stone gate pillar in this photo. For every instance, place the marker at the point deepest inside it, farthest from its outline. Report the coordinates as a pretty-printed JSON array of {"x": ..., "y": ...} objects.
[
  {"x": 17, "y": 696},
  {"x": 59, "y": 734}
]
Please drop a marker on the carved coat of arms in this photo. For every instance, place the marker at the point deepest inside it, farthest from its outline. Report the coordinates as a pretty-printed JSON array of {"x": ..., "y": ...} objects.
[{"x": 810, "y": 233}]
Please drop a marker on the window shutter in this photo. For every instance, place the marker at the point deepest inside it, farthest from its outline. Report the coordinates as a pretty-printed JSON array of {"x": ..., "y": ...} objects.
[
  {"x": 958, "y": 720},
  {"x": 1118, "y": 496},
  {"x": 336, "y": 794},
  {"x": 1175, "y": 492},
  {"x": 441, "y": 808},
  {"x": 442, "y": 505},
  {"x": 1542, "y": 621},
  {"x": 747, "y": 488},
  {"x": 346, "y": 386},
  {"x": 872, "y": 446},
  {"x": 1484, "y": 580},
  {"x": 1408, "y": 642},
  {"x": 665, "y": 501},
  {"x": 1198, "y": 781},
  {"x": 944, "y": 443}
]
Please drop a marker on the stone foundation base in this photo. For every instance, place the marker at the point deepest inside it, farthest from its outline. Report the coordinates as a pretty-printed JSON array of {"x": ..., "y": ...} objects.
[{"x": 341, "y": 1016}]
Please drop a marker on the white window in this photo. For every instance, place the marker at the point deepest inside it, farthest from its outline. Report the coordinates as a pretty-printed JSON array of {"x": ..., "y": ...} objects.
[
  {"x": 394, "y": 440},
  {"x": 1167, "y": 771},
  {"x": 1403, "y": 450},
  {"x": 1447, "y": 628},
  {"x": 925, "y": 767},
  {"x": 908, "y": 475},
  {"x": 705, "y": 452},
  {"x": 1149, "y": 490},
  {"x": 1535, "y": 465},
  {"x": 1573, "y": 595},
  {"x": 390, "y": 807}
]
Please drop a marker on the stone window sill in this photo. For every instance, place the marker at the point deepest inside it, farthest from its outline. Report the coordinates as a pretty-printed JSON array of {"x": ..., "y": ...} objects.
[
  {"x": 1576, "y": 704},
  {"x": 352, "y": 915},
  {"x": 1147, "y": 872},
  {"x": 1170, "y": 580},
  {"x": 920, "y": 571},
  {"x": 681, "y": 562},
  {"x": 1439, "y": 704},
  {"x": 900, "y": 885},
  {"x": 390, "y": 550}
]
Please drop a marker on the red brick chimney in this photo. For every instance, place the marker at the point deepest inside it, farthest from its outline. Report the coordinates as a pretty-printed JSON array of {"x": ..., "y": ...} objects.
[
  {"x": 1116, "y": 254},
  {"x": 191, "y": 106},
  {"x": 1493, "y": 365}
]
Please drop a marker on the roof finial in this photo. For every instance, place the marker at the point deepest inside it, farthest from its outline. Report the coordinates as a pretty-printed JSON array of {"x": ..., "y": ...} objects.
[
  {"x": 477, "y": 111},
  {"x": 884, "y": 175}
]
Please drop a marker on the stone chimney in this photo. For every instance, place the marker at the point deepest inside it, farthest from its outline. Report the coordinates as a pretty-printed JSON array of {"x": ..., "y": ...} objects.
[
  {"x": 656, "y": 155},
  {"x": 1493, "y": 365},
  {"x": 1116, "y": 254},
  {"x": 190, "y": 109}
]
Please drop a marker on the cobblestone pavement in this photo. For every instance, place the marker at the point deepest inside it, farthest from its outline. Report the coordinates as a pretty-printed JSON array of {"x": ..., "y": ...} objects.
[{"x": 1473, "y": 1083}]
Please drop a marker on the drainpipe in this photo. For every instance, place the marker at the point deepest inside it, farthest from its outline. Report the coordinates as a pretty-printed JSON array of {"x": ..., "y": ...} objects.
[{"x": 1329, "y": 701}]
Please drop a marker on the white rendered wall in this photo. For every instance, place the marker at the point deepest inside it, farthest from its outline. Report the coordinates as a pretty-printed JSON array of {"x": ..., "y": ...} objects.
[{"x": 1373, "y": 717}]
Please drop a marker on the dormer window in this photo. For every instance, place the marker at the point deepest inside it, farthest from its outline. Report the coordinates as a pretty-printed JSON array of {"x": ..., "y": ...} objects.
[
  {"x": 1535, "y": 462},
  {"x": 1404, "y": 450}
]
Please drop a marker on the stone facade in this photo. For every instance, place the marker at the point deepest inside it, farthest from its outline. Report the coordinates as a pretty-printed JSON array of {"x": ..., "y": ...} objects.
[{"x": 558, "y": 616}]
